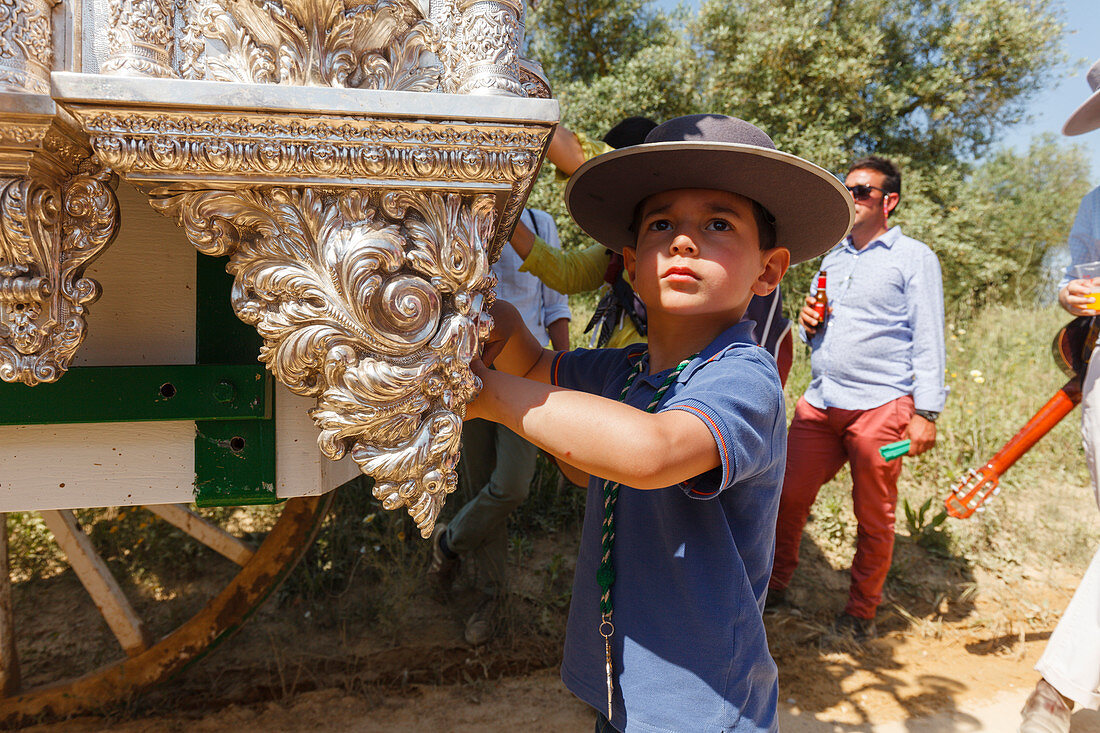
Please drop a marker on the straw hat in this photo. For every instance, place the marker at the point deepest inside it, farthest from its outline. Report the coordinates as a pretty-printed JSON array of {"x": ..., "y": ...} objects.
[
  {"x": 812, "y": 209},
  {"x": 1087, "y": 116}
]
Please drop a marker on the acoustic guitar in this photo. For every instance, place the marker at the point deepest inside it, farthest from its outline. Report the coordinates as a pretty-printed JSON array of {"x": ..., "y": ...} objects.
[{"x": 1072, "y": 348}]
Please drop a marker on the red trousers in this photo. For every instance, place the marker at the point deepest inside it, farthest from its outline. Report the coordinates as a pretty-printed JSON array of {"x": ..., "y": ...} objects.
[
  {"x": 818, "y": 444},
  {"x": 785, "y": 357}
]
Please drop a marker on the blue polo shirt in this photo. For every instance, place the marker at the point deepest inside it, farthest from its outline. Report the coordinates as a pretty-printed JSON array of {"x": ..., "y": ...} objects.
[{"x": 692, "y": 561}]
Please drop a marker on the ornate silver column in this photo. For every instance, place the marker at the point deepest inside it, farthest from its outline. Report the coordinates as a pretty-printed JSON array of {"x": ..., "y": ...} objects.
[
  {"x": 139, "y": 37},
  {"x": 479, "y": 47},
  {"x": 26, "y": 50}
]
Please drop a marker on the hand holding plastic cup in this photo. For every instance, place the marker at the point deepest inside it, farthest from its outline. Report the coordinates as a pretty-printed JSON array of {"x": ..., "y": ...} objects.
[{"x": 1089, "y": 271}]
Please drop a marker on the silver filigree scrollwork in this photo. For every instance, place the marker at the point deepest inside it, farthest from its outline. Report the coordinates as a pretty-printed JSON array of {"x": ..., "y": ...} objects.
[
  {"x": 447, "y": 22},
  {"x": 49, "y": 233},
  {"x": 139, "y": 38},
  {"x": 26, "y": 50},
  {"x": 385, "y": 44},
  {"x": 465, "y": 47},
  {"x": 370, "y": 302},
  {"x": 190, "y": 44}
]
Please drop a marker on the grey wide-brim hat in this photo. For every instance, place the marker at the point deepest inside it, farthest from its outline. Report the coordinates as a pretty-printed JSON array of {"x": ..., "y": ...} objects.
[
  {"x": 812, "y": 208},
  {"x": 1087, "y": 116}
]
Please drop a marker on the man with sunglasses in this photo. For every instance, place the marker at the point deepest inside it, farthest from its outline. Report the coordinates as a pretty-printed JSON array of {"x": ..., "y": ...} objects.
[{"x": 877, "y": 377}]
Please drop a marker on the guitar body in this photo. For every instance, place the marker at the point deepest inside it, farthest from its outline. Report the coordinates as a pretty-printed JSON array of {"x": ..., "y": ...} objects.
[{"x": 1073, "y": 344}]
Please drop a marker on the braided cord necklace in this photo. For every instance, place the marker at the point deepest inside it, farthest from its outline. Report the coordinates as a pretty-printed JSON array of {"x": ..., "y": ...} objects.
[{"x": 605, "y": 575}]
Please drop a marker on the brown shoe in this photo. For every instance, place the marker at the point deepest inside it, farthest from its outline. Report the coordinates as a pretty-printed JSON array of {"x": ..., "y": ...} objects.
[
  {"x": 1045, "y": 711},
  {"x": 482, "y": 624},
  {"x": 860, "y": 629},
  {"x": 442, "y": 570},
  {"x": 776, "y": 600}
]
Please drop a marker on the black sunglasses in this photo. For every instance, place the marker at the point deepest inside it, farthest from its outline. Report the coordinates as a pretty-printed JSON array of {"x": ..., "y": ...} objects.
[{"x": 863, "y": 191}]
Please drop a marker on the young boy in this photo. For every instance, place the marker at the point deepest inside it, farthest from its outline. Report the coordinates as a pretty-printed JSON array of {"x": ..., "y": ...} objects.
[{"x": 665, "y": 629}]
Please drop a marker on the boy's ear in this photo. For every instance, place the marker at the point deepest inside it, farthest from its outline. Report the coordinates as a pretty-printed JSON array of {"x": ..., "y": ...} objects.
[
  {"x": 775, "y": 262},
  {"x": 630, "y": 261}
]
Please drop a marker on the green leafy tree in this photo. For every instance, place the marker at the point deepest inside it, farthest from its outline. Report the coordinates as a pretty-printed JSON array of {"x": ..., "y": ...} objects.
[
  {"x": 997, "y": 229},
  {"x": 929, "y": 83},
  {"x": 932, "y": 81},
  {"x": 580, "y": 40}
]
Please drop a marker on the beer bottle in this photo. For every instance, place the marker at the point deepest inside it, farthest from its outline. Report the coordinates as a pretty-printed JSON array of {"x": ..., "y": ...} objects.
[{"x": 821, "y": 301}]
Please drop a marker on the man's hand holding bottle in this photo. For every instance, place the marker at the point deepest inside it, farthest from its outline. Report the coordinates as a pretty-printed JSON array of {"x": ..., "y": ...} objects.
[{"x": 816, "y": 310}]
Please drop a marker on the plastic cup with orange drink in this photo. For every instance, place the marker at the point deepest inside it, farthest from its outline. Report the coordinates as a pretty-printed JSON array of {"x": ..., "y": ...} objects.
[{"x": 1089, "y": 271}]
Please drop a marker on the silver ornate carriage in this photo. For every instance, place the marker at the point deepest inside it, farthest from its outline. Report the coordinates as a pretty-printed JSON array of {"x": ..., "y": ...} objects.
[{"x": 347, "y": 170}]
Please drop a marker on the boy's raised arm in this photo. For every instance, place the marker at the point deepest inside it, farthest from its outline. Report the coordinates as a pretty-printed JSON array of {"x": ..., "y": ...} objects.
[
  {"x": 565, "y": 151},
  {"x": 598, "y": 435}
]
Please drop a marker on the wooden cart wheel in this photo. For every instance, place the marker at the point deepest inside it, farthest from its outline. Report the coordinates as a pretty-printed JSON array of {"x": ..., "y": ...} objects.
[{"x": 141, "y": 659}]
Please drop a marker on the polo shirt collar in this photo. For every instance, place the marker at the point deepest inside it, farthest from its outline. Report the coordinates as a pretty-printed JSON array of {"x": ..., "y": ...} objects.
[
  {"x": 739, "y": 334},
  {"x": 887, "y": 240}
]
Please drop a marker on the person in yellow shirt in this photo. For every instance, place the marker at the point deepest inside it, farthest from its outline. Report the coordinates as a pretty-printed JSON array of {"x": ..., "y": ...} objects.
[{"x": 620, "y": 317}]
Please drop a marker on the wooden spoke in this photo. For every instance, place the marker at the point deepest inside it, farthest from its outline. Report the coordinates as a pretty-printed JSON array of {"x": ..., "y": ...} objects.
[
  {"x": 98, "y": 581},
  {"x": 211, "y": 535},
  {"x": 9, "y": 661},
  {"x": 121, "y": 679}
]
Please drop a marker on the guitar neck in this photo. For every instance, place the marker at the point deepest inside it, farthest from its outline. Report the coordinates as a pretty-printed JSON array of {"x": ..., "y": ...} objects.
[{"x": 1049, "y": 415}]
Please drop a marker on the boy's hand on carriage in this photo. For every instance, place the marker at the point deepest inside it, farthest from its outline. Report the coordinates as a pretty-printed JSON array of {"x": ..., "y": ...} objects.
[
  {"x": 505, "y": 321},
  {"x": 1080, "y": 297},
  {"x": 475, "y": 408}
]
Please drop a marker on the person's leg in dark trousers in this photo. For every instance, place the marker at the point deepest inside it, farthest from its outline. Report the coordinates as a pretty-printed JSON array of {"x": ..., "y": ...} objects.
[
  {"x": 500, "y": 469},
  {"x": 814, "y": 454},
  {"x": 499, "y": 465},
  {"x": 875, "y": 497},
  {"x": 478, "y": 458}
]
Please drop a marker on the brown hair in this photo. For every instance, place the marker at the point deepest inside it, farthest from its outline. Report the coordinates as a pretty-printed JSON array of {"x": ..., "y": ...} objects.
[{"x": 891, "y": 175}]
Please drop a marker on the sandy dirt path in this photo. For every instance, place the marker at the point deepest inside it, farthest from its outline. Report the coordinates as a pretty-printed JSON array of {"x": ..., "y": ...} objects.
[{"x": 896, "y": 684}]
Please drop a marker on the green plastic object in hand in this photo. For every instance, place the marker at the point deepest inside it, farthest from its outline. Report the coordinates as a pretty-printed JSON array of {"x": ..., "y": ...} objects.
[{"x": 890, "y": 451}]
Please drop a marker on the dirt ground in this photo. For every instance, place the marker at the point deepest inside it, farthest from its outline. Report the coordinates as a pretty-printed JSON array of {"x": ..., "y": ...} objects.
[
  {"x": 945, "y": 650},
  {"x": 902, "y": 676}
]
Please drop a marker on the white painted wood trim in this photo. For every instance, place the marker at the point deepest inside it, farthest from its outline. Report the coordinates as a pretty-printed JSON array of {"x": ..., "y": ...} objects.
[
  {"x": 300, "y": 469},
  {"x": 146, "y": 313},
  {"x": 101, "y": 464}
]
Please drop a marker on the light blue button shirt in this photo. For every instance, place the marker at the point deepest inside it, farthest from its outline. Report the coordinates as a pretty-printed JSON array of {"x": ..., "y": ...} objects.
[
  {"x": 885, "y": 336},
  {"x": 1084, "y": 238},
  {"x": 538, "y": 304}
]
